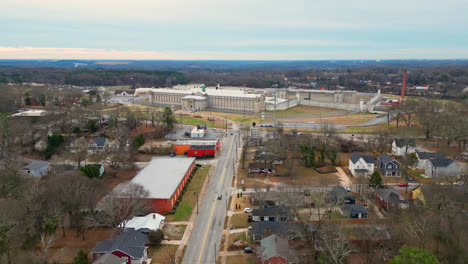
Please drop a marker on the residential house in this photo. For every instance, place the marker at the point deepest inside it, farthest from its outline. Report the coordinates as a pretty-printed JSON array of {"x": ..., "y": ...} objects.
[
  {"x": 97, "y": 144},
  {"x": 275, "y": 249},
  {"x": 146, "y": 223},
  {"x": 36, "y": 168},
  {"x": 354, "y": 211},
  {"x": 424, "y": 157},
  {"x": 271, "y": 213},
  {"x": 390, "y": 198},
  {"x": 339, "y": 195},
  {"x": 388, "y": 166},
  {"x": 129, "y": 246},
  {"x": 439, "y": 168},
  {"x": 361, "y": 166},
  {"x": 258, "y": 167},
  {"x": 78, "y": 145},
  {"x": 403, "y": 146},
  {"x": 291, "y": 231}
]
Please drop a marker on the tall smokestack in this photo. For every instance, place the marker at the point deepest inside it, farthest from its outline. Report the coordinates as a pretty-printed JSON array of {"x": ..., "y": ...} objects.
[{"x": 403, "y": 87}]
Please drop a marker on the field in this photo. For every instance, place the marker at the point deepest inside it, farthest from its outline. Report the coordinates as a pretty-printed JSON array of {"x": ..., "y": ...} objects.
[
  {"x": 239, "y": 221},
  {"x": 237, "y": 117},
  {"x": 162, "y": 254},
  {"x": 241, "y": 259},
  {"x": 191, "y": 120},
  {"x": 345, "y": 119},
  {"x": 174, "y": 232},
  {"x": 187, "y": 204},
  {"x": 302, "y": 110}
]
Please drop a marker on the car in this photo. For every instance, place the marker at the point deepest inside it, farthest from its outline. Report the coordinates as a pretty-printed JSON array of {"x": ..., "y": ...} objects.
[
  {"x": 247, "y": 210},
  {"x": 248, "y": 250},
  {"x": 232, "y": 134},
  {"x": 403, "y": 185},
  {"x": 459, "y": 183},
  {"x": 445, "y": 183},
  {"x": 220, "y": 197},
  {"x": 348, "y": 189},
  {"x": 310, "y": 122},
  {"x": 173, "y": 154},
  {"x": 249, "y": 228},
  {"x": 410, "y": 179}
]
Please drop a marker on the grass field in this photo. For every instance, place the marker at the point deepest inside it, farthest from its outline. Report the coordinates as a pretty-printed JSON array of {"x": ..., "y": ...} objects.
[
  {"x": 241, "y": 259},
  {"x": 302, "y": 110},
  {"x": 162, "y": 254},
  {"x": 237, "y": 117},
  {"x": 239, "y": 221},
  {"x": 190, "y": 120},
  {"x": 186, "y": 205}
]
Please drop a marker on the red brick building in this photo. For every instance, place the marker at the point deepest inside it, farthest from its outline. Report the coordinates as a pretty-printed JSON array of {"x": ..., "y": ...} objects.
[{"x": 164, "y": 178}]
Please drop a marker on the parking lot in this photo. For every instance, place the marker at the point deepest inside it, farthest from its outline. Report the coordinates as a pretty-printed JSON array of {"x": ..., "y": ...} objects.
[{"x": 179, "y": 133}]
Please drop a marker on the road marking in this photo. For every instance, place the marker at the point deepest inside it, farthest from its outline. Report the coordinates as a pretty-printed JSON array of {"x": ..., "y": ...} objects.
[{"x": 214, "y": 204}]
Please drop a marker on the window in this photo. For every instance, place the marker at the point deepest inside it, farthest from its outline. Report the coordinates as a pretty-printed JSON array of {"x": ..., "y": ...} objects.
[{"x": 125, "y": 259}]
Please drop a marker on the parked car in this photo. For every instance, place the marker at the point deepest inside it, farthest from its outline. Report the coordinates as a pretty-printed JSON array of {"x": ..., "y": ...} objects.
[
  {"x": 249, "y": 228},
  {"x": 173, "y": 154},
  {"x": 445, "y": 183},
  {"x": 348, "y": 189},
  {"x": 459, "y": 183},
  {"x": 410, "y": 179},
  {"x": 247, "y": 210},
  {"x": 248, "y": 250},
  {"x": 403, "y": 184}
]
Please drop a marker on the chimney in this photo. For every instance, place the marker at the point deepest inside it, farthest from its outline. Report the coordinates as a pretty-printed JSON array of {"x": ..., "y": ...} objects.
[
  {"x": 267, "y": 231},
  {"x": 403, "y": 87},
  {"x": 154, "y": 216}
]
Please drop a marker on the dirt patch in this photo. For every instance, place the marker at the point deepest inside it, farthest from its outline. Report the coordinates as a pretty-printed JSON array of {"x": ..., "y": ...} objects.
[
  {"x": 174, "y": 232},
  {"x": 242, "y": 202},
  {"x": 241, "y": 259},
  {"x": 162, "y": 254}
]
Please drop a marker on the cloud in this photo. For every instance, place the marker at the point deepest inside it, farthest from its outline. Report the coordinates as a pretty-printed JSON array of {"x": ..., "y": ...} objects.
[
  {"x": 79, "y": 53},
  {"x": 103, "y": 54}
]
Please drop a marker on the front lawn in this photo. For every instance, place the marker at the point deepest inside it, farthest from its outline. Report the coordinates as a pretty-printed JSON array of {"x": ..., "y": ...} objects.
[
  {"x": 239, "y": 221},
  {"x": 188, "y": 202}
]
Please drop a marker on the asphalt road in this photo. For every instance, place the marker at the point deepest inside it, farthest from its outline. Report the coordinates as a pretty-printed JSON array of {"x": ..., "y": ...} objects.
[{"x": 203, "y": 246}]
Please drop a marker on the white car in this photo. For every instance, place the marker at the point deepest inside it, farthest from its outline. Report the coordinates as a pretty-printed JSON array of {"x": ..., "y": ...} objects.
[
  {"x": 247, "y": 210},
  {"x": 444, "y": 183},
  {"x": 310, "y": 122},
  {"x": 458, "y": 183}
]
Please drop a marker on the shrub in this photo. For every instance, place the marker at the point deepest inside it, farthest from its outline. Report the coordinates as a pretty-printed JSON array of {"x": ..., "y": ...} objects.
[
  {"x": 91, "y": 171},
  {"x": 138, "y": 141},
  {"x": 80, "y": 258},
  {"x": 155, "y": 237}
]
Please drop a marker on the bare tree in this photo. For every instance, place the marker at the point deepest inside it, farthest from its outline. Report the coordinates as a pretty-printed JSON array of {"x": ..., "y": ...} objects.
[
  {"x": 120, "y": 207},
  {"x": 335, "y": 243}
]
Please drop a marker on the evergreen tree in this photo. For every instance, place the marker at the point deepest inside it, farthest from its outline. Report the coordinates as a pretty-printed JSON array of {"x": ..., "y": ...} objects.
[
  {"x": 80, "y": 258},
  {"x": 375, "y": 180}
]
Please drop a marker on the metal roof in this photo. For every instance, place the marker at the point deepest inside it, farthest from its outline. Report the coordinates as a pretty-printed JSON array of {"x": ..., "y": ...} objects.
[
  {"x": 35, "y": 165},
  {"x": 162, "y": 176}
]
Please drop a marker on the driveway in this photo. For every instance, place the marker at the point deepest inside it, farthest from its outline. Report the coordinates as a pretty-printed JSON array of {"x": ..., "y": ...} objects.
[{"x": 344, "y": 179}]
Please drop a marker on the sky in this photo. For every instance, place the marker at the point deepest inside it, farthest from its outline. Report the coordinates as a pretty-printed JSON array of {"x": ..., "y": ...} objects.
[{"x": 233, "y": 30}]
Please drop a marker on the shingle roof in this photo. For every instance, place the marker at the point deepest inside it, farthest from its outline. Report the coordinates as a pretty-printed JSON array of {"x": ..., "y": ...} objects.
[
  {"x": 354, "y": 208},
  {"x": 355, "y": 157},
  {"x": 36, "y": 165},
  {"x": 131, "y": 242},
  {"x": 368, "y": 159},
  {"x": 401, "y": 142},
  {"x": 391, "y": 196},
  {"x": 441, "y": 162},
  {"x": 428, "y": 155},
  {"x": 385, "y": 158},
  {"x": 271, "y": 211},
  {"x": 275, "y": 245},
  {"x": 202, "y": 147},
  {"x": 100, "y": 141}
]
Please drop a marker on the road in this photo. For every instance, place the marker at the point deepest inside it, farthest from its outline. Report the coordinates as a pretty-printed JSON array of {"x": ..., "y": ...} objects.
[{"x": 204, "y": 243}]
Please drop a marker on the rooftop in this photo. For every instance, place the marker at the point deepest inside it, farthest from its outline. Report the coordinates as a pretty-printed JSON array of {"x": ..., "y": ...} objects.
[
  {"x": 401, "y": 142},
  {"x": 428, "y": 155},
  {"x": 386, "y": 158},
  {"x": 162, "y": 175},
  {"x": 32, "y": 112},
  {"x": 36, "y": 165},
  {"x": 271, "y": 211},
  {"x": 441, "y": 162},
  {"x": 208, "y": 91},
  {"x": 275, "y": 245},
  {"x": 130, "y": 241},
  {"x": 148, "y": 222}
]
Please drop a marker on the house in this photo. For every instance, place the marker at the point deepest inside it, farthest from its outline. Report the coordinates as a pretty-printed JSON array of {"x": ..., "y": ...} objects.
[
  {"x": 97, "y": 144},
  {"x": 78, "y": 145},
  {"x": 145, "y": 224},
  {"x": 124, "y": 92},
  {"x": 424, "y": 157},
  {"x": 442, "y": 167},
  {"x": 390, "y": 198},
  {"x": 361, "y": 166},
  {"x": 258, "y": 167},
  {"x": 288, "y": 230},
  {"x": 164, "y": 178},
  {"x": 403, "y": 146},
  {"x": 354, "y": 211},
  {"x": 275, "y": 249},
  {"x": 271, "y": 213},
  {"x": 388, "y": 166},
  {"x": 129, "y": 246},
  {"x": 339, "y": 195},
  {"x": 36, "y": 168}
]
